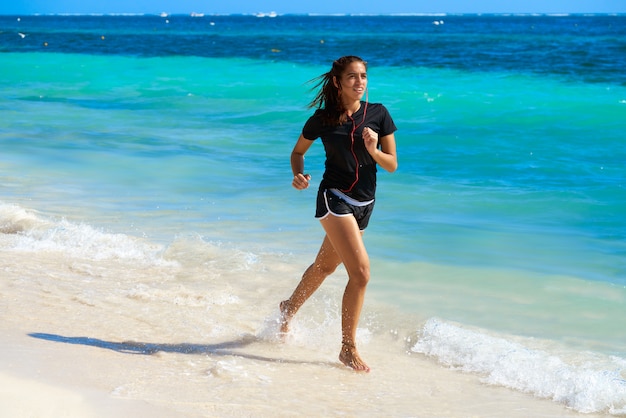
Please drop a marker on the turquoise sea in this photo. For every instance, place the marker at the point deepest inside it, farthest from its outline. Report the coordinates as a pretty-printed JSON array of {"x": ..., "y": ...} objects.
[{"x": 134, "y": 143}]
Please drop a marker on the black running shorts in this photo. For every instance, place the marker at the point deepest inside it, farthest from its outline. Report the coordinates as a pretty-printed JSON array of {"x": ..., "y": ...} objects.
[{"x": 333, "y": 202}]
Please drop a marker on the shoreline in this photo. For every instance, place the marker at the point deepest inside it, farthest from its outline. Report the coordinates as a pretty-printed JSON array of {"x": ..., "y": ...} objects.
[{"x": 50, "y": 379}]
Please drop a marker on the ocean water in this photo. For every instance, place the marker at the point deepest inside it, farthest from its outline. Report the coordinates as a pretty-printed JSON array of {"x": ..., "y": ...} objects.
[{"x": 145, "y": 168}]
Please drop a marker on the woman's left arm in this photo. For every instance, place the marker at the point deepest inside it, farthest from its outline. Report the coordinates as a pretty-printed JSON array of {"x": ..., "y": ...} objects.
[{"x": 385, "y": 156}]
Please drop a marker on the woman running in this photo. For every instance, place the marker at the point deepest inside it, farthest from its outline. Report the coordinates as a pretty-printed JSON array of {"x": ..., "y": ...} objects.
[{"x": 357, "y": 136}]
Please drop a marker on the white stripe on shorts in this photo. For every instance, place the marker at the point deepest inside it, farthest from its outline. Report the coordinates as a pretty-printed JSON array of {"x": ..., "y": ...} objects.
[{"x": 350, "y": 200}]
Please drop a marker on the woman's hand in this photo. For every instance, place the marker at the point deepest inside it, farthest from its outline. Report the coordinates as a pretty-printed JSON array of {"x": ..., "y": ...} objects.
[
  {"x": 301, "y": 181},
  {"x": 370, "y": 138},
  {"x": 386, "y": 155}
]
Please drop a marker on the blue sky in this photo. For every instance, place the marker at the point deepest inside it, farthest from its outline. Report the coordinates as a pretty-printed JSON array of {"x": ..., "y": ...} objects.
[{"x": 318, "y": 6}]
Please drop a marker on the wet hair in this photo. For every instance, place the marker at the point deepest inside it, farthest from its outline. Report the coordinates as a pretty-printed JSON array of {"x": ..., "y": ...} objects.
[{"x": 327, "y": 97}]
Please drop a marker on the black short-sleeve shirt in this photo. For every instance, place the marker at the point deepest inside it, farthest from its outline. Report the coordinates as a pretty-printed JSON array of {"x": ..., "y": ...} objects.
[{"x": 349, "y": 167}]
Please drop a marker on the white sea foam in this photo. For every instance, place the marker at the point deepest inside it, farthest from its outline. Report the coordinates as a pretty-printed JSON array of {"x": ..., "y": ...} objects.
[
  {"x": 34, "y": 232},
  {"x": 584, "y": 385}
]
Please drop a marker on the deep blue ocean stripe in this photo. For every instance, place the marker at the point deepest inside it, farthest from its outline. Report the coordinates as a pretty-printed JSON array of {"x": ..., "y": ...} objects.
[{"x": 588, "y": 48}]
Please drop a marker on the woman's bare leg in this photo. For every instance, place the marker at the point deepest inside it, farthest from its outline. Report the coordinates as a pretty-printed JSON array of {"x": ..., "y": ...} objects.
[
  {"x": 347, "y": 241},
  {"x": 325, "y": 264}
]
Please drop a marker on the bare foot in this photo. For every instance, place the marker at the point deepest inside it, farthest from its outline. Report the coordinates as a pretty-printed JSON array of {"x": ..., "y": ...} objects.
[
  {"x": 350, "y": 357},
  {"x": 284, "y": 317}
]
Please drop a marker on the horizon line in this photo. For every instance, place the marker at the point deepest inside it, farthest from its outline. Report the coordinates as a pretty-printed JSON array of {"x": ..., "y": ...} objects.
[{"x": 274, "y": 14}]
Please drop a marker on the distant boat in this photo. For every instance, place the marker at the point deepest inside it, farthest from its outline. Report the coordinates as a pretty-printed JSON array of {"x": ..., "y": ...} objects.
[
  {"x": 270, "y": 14},
  {"x": 163, "y": 14},
  {"x": 194, "y": 14}
]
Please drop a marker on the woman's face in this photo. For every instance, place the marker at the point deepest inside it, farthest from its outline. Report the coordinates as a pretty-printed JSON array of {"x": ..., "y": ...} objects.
[{"x": 353, "y": 82}]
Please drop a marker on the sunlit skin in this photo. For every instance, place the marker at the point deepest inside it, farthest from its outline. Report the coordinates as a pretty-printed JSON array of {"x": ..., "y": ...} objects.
[{"x": 343, "y": 242}]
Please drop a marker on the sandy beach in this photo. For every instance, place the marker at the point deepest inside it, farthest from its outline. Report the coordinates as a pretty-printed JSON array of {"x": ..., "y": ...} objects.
[
  {"x": 42, "y": 379},
  {"x": 73, "y": 352}
]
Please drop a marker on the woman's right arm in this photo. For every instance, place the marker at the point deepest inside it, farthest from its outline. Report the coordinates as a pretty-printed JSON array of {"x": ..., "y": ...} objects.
[{"x": 300, "y": 180}]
